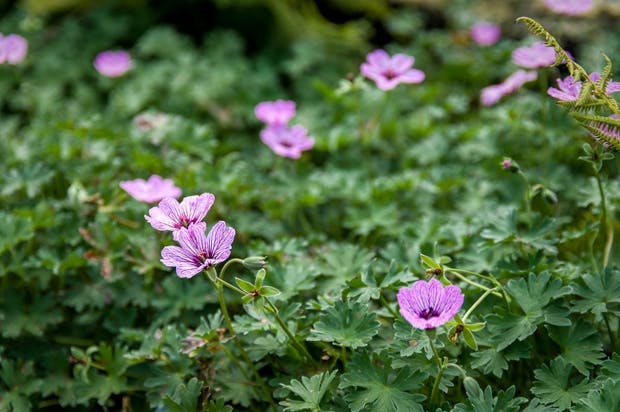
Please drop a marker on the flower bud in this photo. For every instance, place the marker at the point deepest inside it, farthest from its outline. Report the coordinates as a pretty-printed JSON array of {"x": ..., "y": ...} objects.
[
  {"x": 255, "y": 262},
  {"x": 510, "y": 165}
]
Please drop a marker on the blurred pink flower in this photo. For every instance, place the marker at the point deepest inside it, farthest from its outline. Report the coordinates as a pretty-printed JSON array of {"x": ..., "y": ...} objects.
[
  {"x": 492, "y": 94},
  {"x": 570, "y": 7},
  {"x": 112, "y": 63},
  {"x": 388, "y": 72},
  {"x": 612, "y": 87},
  {"x": 287, "y": 141},
  {"x": 152, "y": 190},
  {"x": 275, "y": 113},
  {"x": 485, "y": 34},
  {"x": 535, "y": 56},
  {"x": 172, "y": 215},
  {"x": 199, "y": 251},
  {"x": 13, "y": 48}
]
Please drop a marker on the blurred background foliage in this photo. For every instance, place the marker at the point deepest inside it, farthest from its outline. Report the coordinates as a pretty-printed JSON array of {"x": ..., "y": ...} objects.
[{"x": 89, "y": 316}]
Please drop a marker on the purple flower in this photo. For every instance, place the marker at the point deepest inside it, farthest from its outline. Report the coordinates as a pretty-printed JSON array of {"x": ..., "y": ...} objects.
[
  {"x": 485, "y": 34},
  {"x": 609, "y": 131},
  {"x": 568, "y": 89},
  {"x": 570, "y": 7},
  {"x": 13, "y": 48},
  {"x": 287, "y": 141},
  {"x": 492, "y": 94},
  {"x": 152, "y": 190},
  {"x": 170, "y": 215},
  {"x": 388, "y": 72},
  {"x": 276, "y": 113},
  {"x": 535, "y": 56},
  {"x": 427, "y": 305},
  {"x": 198, "y": 251},
  {"x": 112, "y": 63},
  {"x": 506, "y": 163}
]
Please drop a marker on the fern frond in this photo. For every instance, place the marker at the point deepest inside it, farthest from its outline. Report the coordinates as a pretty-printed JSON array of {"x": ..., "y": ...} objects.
[
  {"x": 606, "y": 73},
  {"x": 585, "y": 107},
  {"x": 604, "y": 129},
  {"x": 561, "y": 57}
]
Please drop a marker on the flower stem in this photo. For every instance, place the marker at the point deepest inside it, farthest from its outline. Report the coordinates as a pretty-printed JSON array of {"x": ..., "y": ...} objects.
[
  {"x": 300, "y": 347},
  {"x": 476, "y": 303},
  {"x": 227, "y": 264},
  {"x": 606, "y": 227},
  {"x": 387, "y": 305},
  {"x": 441, "y": 367},
  {"x": 527, "y": 197},
  {"x": 612, "y": 339},
  {"x": 471, "y": 282},
  {"x": 220, "y": 297},
  {"x": 491, "y": 279}
]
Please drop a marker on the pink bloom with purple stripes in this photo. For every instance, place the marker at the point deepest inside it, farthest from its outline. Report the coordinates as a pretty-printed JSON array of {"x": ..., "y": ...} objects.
[
  {"x": 172, "y": 215},
  {"x": 569, "y": 90},
  {"x": 535, "y": 56},
  {"x": 388, "y": 72},
  {"x": 570, "y": 7},
  {"x": 276, "y": 113},
  {"x": 287, "y": 141},
  {"x": 485, "y": 34},
  {"x": 427, "y": 305},
  {"x": 13, "y": 48},
  {"x": 197, "y": 250},
  {"x": 152, "y": 190},
  {"x": 113, "y": 63}
]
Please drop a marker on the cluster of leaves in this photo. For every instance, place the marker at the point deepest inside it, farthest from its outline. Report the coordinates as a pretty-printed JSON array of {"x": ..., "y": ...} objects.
[{"x": 89, "y": 318}]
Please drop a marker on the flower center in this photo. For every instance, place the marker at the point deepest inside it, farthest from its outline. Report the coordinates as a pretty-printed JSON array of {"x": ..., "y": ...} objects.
[
  {"x": 428, "y": 313},
  {"x": 389, "y": 74}
]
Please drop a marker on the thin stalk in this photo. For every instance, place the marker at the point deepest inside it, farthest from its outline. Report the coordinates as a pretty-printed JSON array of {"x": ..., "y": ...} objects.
[
  {"x": 387, "y": 305},
  {"x": 476, "y": 284},
  {"x": 441, "y": 367},
  {"x": 476, "y": 303},
  {"x": 234, "y": 360},
  {"x": 227, "y": 264},
  {"x": 491, "y": 279},
  {"x": 296, "y": 344},
  {"x": 230, "y": 286},
  {"x": 604, "y": 220},
  {"x": 527, "y": 197},
  {"x": 612, "y": 339},
  {"x": 244, "y": 354}
]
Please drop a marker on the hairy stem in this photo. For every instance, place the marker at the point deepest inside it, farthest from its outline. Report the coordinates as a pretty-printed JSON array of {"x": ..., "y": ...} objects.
[
  {"x": 607, "y": 229},
  {"x": 476, "y": 303},
  {"x": 220, "y": 297},
  {"x": 441, "y": 367}
]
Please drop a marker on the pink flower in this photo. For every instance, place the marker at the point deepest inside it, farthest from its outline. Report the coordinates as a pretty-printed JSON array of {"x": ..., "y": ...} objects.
[
  {"x": 535, "y": 56},
  {"x": 112, "y": 63},
  {"x": 492, "y": 94},
  {"x": 485, "y": 34},
  {"x": 276, "y": 113},
  {"x": 198, "y": 251},
  {"x": 570, "y": 7},
  {"x": 388, "y": 72},
  {"x": 170, "y": 215},
  {"x": 13, "y": 48},
  {"x": 569, "y": 90},
  {"x": 287, "y": 141},
  {"x": 152, "y": 190},
  {"x": 427, "y": 305}
]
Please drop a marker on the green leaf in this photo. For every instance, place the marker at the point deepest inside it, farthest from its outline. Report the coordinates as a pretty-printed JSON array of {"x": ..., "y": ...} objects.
[
  {"x": 496, "y": 362},
  {"x": 13, "y": 230},
  {"x": 533, "y": 297},
  {"x": 580, "y": 343},
  {"x": 244, "y": 285},
  {"x": 479, "y": 401},
  {"x": 410, "y": 340},
  {"x": 268, "y": 291},
  {"x": 310, "y": 390},
  {"x": 348, "y": 324},
  {"x": 599, "y": 294},
  {"x": 552, "y": 385},
  {"x": 185, "y": 397},
  {"x": 379, "y": 388},
  {"x": 607, "y": 398}
]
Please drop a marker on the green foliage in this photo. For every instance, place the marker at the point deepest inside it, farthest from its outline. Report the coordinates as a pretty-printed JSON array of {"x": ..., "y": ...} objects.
[
  {"x": 484, "y": 401},
  {"x": 310, "y": 390},
  {"x": 378, "y": 387},
  {"x": 347, "y": 324},
  {"x": 552, "y": 385}
]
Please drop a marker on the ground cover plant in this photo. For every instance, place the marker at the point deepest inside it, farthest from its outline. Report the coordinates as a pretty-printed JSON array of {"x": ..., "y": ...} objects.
[{"x": 309, "y": 206}]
